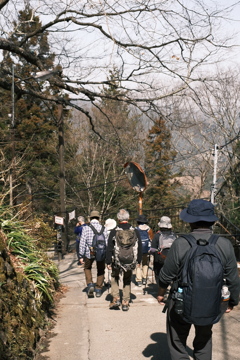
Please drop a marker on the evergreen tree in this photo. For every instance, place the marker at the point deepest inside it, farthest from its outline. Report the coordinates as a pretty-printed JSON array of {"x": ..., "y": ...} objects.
[
  {"x": 159, "y": 159},
  {"x": 34, "y": 140}
]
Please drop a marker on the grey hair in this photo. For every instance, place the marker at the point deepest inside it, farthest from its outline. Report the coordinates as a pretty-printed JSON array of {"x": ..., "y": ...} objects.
[
  {"x": 123, "y": 215},
  {"x": 81, "y": 219}
]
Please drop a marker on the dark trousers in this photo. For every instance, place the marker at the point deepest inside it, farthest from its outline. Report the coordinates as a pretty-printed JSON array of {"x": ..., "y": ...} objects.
[
  {"x": 157, "y": 268},
  {"x": 177, "y": 333},
  {"x": 100, "y": 272}
]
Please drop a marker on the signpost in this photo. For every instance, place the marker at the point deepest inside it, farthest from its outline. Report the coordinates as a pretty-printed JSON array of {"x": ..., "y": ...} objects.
[{"x": 137, "y": 179}]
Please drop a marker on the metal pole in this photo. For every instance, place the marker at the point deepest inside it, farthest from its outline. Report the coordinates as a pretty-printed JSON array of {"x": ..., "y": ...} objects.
[
  {"x": 12, "y": 139},
  {"x": 213, "y": 186}
]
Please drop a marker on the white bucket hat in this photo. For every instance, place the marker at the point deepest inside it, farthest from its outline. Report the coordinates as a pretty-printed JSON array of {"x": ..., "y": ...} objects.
[
  {"x": 110, "y": 224},
  {"x": 165, "y": 222}
]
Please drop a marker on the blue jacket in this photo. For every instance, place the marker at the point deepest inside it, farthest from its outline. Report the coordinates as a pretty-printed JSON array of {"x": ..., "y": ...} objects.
[{"x": 78, "y": 231}]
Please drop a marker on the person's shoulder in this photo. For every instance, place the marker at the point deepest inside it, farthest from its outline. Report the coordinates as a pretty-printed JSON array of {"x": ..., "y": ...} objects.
[
  {"x": 180, "y": 241},
  {"x": 224, "y": 242},
  {"x": 85, "y": 228}
]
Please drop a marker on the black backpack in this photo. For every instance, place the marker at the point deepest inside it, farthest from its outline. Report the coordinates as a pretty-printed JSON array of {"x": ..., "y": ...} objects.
[
  {"x": 99, "y": 244},
  {"x": 125, "y": 249},
  {"x": 201, "y": 279}
]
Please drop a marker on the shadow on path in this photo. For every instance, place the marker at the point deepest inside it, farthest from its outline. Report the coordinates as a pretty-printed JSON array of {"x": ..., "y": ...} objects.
[{"x": 159, "y": 350}]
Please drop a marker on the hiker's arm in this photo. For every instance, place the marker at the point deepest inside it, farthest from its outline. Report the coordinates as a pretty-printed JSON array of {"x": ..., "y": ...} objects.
[
  {"x": 173, "y": 261},
  {"x": 82, "y": 246},
  {"x": 110, "y": 247},
  {"x": 230, "y": 272},
  {"x": 154, "y": 243}
]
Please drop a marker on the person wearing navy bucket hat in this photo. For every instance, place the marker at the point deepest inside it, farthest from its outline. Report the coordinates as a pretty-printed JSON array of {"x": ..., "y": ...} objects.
[
  {"x": 198, "y": 210},
  {"x": 201, "y": 217}
]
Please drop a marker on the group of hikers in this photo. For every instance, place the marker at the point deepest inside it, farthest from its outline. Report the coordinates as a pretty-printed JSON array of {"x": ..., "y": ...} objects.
[
  {"x": 200, "y": 268},
  {"x": 123, "y": 248}
]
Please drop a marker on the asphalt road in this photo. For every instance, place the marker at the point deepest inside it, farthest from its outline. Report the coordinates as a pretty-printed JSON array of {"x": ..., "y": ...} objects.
[{"x": 86, "y": 329}]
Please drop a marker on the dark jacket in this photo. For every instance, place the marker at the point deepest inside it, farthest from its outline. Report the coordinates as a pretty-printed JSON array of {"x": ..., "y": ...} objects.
[
  {"x": 78, "y": 231},
  {"x": 111, "y": 243},
  {"x": 177, "y": 254}
]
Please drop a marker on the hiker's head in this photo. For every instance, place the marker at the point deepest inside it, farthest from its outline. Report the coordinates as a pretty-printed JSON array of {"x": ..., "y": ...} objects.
[
  {"x": 94, "y": 215},
  {"x": 123, "y": 215},
  {"x": 165, "y": 223},
  {"x": 199, "y": 213},
  {"x": 141, "y": 219},
  {"x": 81, "y": 220},
  {"x": 110, "y": 224}
]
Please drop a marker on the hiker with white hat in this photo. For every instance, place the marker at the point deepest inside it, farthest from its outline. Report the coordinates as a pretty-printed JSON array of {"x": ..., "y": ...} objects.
[
  {"x": 161, "y": 244},
  {"x": 110, "y": 224}
]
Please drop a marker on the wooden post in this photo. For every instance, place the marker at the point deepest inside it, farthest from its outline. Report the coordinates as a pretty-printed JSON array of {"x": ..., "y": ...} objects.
[{"x": 140, "y": 203}]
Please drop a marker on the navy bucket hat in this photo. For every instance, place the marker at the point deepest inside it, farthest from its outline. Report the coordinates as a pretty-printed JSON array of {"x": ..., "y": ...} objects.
[
  {"x": 142, "y": 219},
  {"x": 198, "y": 210}
]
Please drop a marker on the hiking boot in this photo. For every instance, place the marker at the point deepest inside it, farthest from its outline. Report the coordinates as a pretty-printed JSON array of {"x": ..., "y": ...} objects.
[
  {"x": 115, "y": 304},
  {"x": 90, "y": 290},
  {"x": 98, "y": 292},
  {"x": 139, "y": 283},
  {"x": 125, "y": 306},
  {"x": 144, "y": 281}
]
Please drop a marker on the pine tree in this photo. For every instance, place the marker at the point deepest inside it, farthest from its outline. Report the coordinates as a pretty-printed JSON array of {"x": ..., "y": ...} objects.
[
  {"x": 159, "y": 158},
  {"x": 35, "y": 163}
]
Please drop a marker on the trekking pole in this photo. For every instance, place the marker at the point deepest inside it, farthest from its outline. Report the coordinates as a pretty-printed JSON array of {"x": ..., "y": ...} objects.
[{"x": 109, "y": 279}]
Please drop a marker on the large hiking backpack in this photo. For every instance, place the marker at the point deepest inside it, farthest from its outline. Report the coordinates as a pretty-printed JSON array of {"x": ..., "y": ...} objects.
[
  {"x": 145, "y": 240},
  {"x": 125, "y": 249},
  {"x": 164, "y": 245},
  {"x": 201, "y": 279},
  {"x": 99, "y": 244}
]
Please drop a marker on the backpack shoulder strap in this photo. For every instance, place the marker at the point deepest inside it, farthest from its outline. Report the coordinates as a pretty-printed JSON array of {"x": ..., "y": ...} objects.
[
  {"x": 95, "y": 230},
  {"x": 213, "y": 239},
  {"x": 102, "y": 230}
]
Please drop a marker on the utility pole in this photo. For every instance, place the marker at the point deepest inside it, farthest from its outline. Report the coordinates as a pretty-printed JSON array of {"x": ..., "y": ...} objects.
[
  {"x": 12, "y": 139},
  {"x": 213, "y": 186},
  {"x": 62, "y": 175}
]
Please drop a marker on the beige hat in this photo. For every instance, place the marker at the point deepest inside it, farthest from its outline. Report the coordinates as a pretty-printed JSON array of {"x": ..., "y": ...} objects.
[
  {"x": 165, "y": 222},
  {"x": 110, "y": 224},
  {"x": 94, "y": 213}
]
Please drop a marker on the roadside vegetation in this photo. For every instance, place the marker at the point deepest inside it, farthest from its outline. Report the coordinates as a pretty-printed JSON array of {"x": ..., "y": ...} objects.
[{"x": 28, "y": 285}]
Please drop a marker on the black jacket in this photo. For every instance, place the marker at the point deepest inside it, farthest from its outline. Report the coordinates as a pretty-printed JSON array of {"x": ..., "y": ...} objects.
[
  {"x": 111, "y": 243},
  {"x": 177, "y": 254}
]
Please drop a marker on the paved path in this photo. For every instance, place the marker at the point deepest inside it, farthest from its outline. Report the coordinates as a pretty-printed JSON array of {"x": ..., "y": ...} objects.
[{"x": 86, "y": 329}]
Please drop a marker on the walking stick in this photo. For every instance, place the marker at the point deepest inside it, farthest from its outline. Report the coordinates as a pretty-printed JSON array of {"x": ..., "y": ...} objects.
[{"x": 109, "y": 279}]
